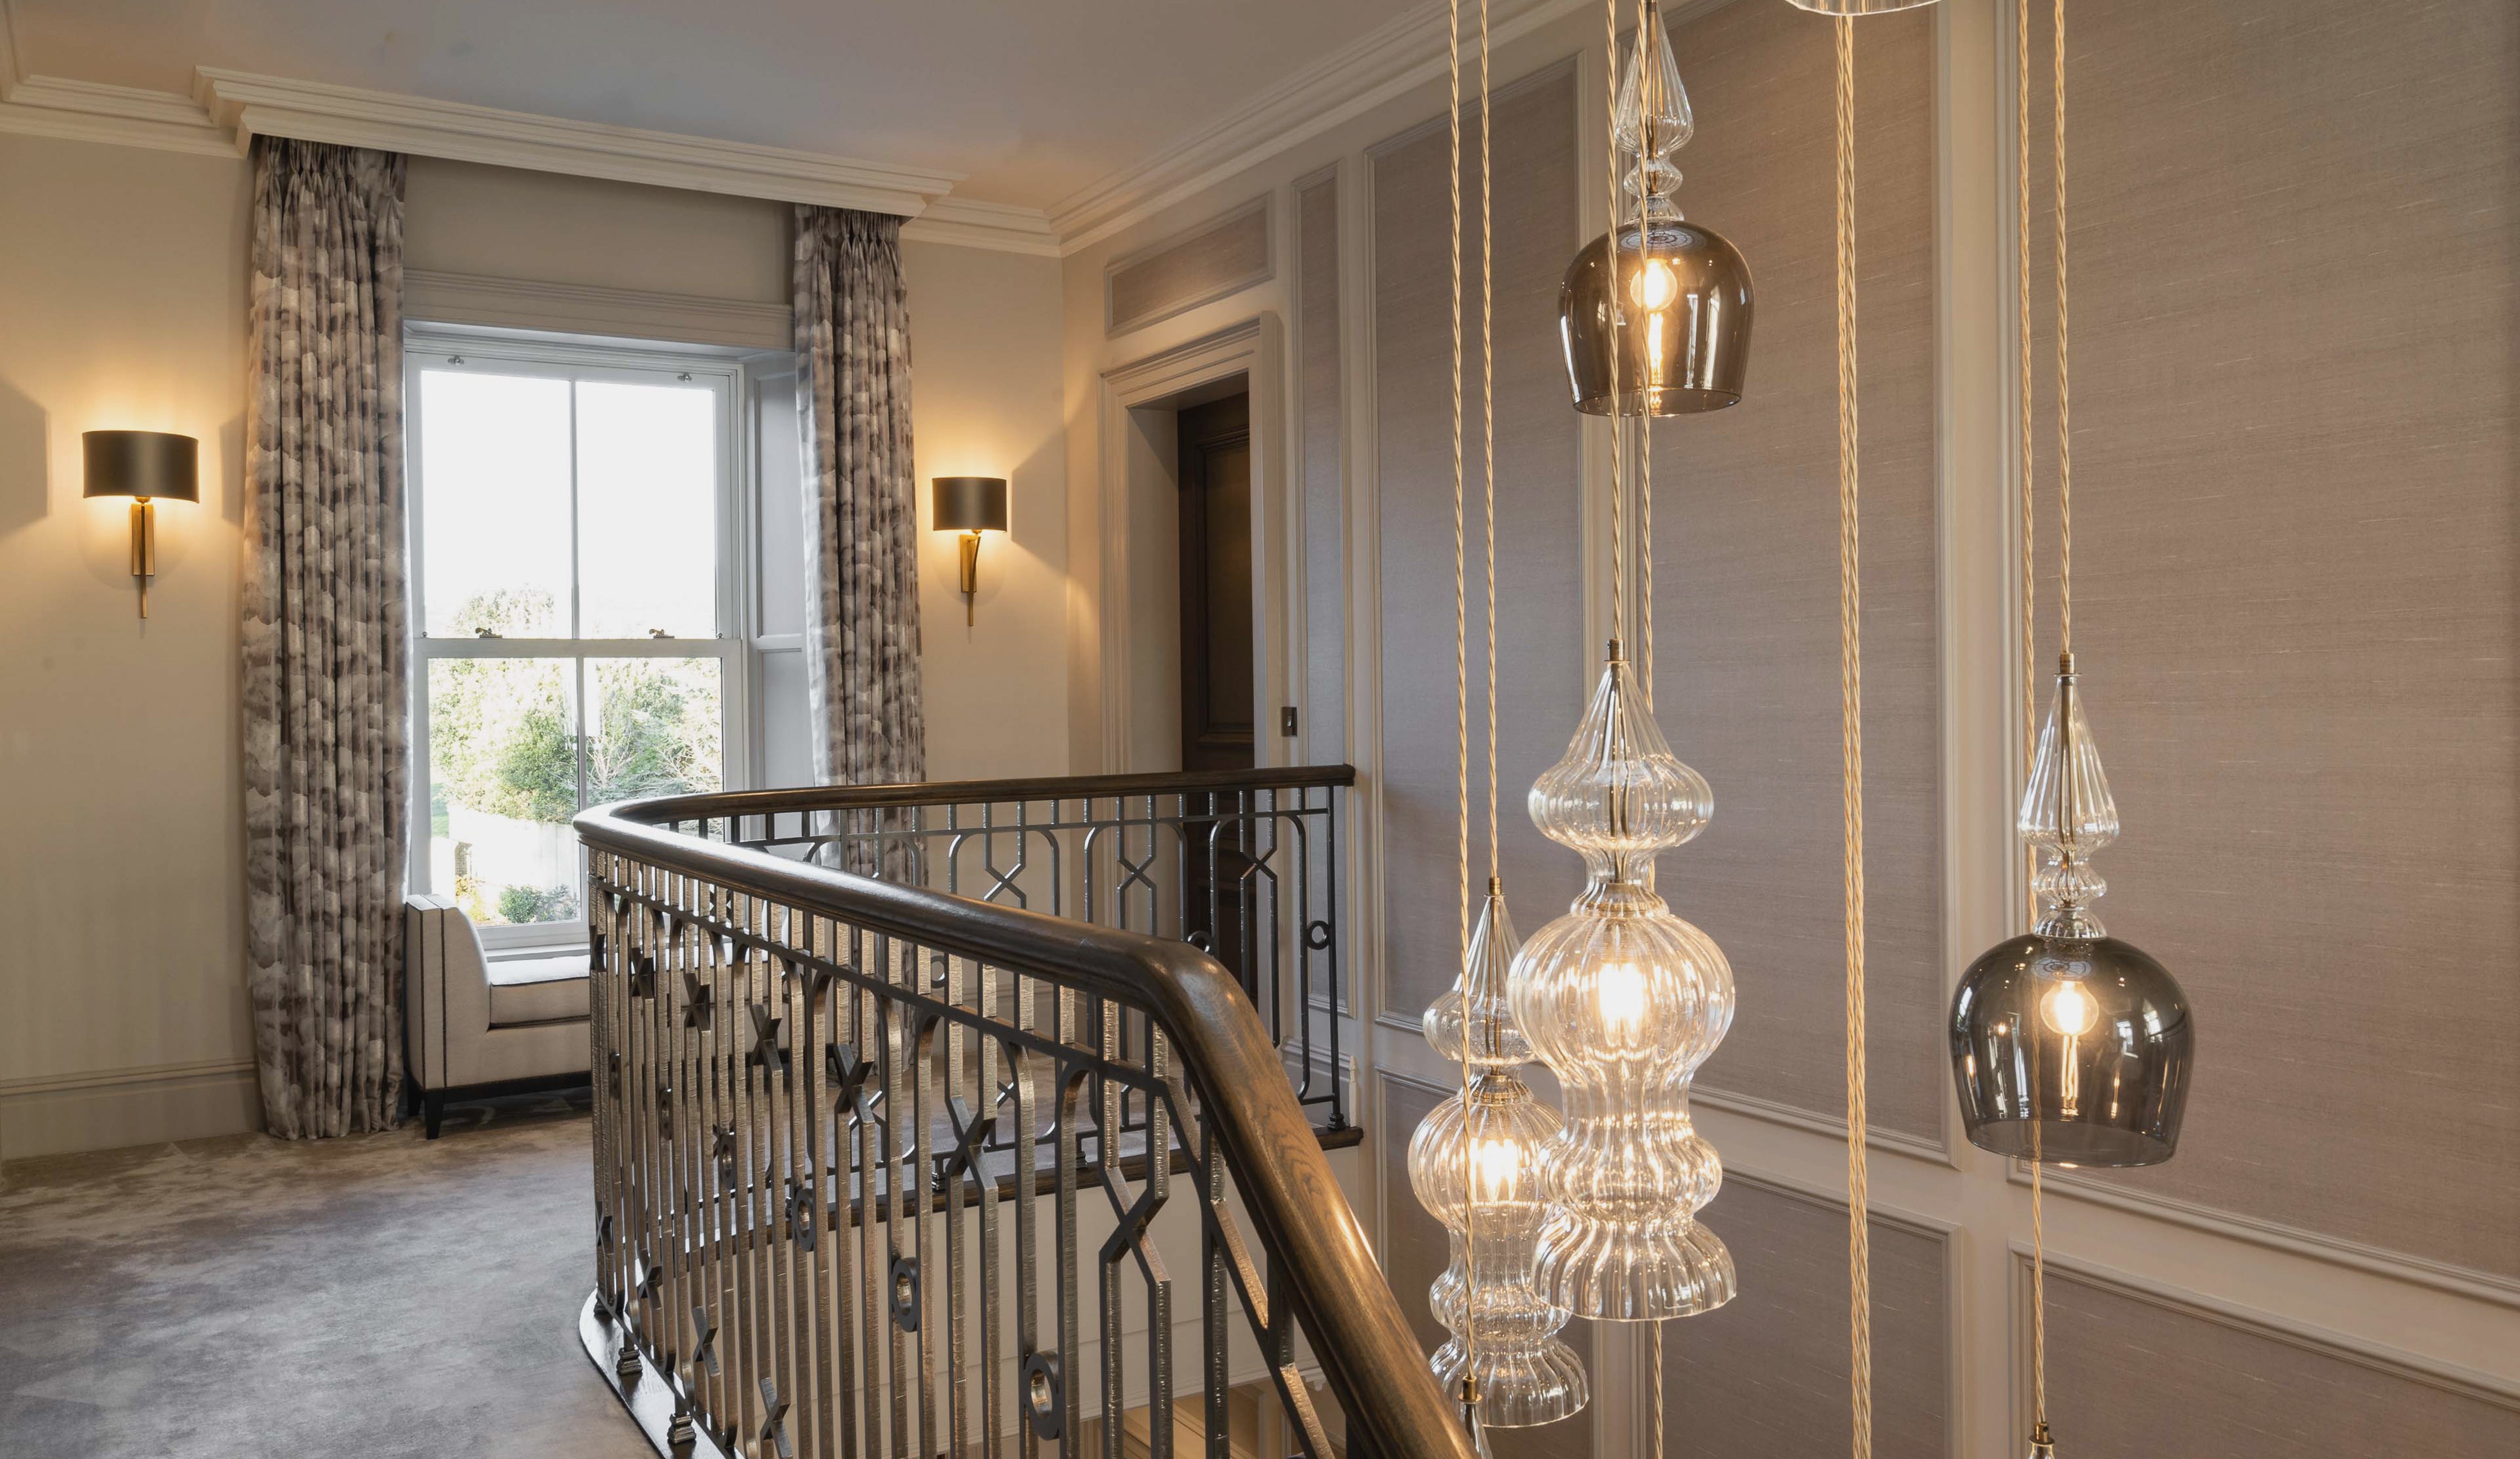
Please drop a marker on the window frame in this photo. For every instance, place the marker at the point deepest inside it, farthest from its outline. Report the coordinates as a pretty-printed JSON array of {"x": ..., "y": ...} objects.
[{"x": 507, "y": 352}]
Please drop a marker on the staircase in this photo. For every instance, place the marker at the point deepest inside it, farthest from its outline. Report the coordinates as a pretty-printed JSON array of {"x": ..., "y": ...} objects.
[{"x": 894, "y": 1087}]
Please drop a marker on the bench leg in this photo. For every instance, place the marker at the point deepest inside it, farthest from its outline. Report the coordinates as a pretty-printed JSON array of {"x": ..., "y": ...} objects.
[{"x": 433, "y": 1110}]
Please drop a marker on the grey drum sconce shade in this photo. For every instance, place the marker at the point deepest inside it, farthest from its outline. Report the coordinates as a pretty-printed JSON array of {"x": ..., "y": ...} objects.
[
  {"x": 145, "y": 466},
  {"x": 970, "y": 505}
]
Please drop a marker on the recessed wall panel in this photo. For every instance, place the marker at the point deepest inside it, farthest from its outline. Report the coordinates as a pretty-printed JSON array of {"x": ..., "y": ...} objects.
[
  {"x": 1766, "y": 1372},
  {"x": 1207, "y": 262},
  {"x": 1745, "y": 555},
  {"x": 1539, "y": 567},
  {"x": 2128, "y": 1374},
  {"x": 2297, "y": 582}
]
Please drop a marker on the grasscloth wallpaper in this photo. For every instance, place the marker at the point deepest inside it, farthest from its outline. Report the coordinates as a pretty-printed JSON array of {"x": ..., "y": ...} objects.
[
  {"x": 2293, "y": 287},
  {"x": 1538, "y": 564},
  {"x": 1766, "y": 1372},
  {"x": 2136, "y": 1376},
  {"x": 1745, "y": 555}
]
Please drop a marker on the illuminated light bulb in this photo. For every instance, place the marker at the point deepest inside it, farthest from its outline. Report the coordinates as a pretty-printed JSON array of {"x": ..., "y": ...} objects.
[
  {"x": 1623, "y": 1000},
  {"x": 1653, "y": 286},
  {"x": 2069, "y": 1009}
]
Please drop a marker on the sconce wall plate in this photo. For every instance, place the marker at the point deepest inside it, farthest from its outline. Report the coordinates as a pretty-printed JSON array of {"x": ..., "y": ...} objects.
[
  {"x": 970, "y": 505},
  {"x": 145, "y": 466}
]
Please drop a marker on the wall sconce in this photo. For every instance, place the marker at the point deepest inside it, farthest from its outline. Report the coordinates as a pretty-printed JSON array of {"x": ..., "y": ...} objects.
[
  {"x": 970, "y": 505},
  {"x": 144, "y": 464}
]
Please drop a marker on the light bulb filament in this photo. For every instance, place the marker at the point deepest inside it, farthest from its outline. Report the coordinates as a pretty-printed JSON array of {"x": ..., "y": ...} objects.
[{"x": 1622, "y": 995}]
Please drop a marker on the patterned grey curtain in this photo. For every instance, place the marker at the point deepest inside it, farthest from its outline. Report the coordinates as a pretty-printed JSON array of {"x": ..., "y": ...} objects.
[
  {"x": 861, "y": 507},
  {"x": 324, "y": 650}
]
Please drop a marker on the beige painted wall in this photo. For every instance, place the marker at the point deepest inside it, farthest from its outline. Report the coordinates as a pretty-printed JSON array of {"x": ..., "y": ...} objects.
[
  {"x": 122, "y": 287},
  {"x": 984, "y": 371},
  {"x": 122, "y": 304}
]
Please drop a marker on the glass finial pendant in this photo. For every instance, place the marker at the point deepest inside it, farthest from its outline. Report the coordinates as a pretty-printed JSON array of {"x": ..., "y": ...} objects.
[
  {"x": 1490, "y": 1201},
  {"x": 1656, "y": 314},
  {"x": 1624, "y": 1000},
  {"x": 2068, "y": 1046}
]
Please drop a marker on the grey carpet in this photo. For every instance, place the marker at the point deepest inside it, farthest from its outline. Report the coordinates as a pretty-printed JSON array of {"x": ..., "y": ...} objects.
[{"x": 374, "y": 1296}]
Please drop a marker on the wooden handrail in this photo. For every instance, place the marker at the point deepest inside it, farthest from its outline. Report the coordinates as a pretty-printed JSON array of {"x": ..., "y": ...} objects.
[{"x": 1367, "y": 1350}]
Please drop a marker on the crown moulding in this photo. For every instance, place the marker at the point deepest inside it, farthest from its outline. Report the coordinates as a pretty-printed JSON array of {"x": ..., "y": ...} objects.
[{"x": 315, "y": 112}]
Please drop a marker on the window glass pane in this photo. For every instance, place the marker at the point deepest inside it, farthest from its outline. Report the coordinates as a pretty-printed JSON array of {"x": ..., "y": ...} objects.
[
  {"x": 503, "y": 786},
  {"x": 653, "y": 727},
  {"x": 646, "y": 461},
  {"x": 494, "y": 503}
]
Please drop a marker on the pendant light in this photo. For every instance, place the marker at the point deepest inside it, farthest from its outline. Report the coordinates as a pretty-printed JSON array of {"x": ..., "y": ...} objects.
[
  {"x": 1490, "y": 1199},
  {"x": 2069, "y": 1047},
  {"x": 1474, "y": 1160},
  {"x": 1624, "y": 1000},
  {"x": 1655, "y": 315}
]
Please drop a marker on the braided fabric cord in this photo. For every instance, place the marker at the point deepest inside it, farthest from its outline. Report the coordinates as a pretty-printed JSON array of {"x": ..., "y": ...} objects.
[
  {"x": 1648, "y": 96},
  {"x": 1460, "y": 656},
  {"x": 1859, "y": 1246},
  {"x": 1618, "y": 472},
  {"x": 1487, "y": 416}
]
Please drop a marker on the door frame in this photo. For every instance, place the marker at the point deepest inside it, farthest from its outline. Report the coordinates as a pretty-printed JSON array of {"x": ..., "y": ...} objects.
[{"x": 1256, "y": 349}]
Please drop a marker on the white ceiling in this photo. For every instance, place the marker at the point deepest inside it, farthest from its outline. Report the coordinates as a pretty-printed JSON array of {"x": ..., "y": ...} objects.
[{"x": 1032, "y": 99}]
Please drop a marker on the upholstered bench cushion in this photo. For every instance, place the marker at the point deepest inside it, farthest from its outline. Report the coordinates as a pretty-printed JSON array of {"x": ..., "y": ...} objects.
[{"x": 537, "y": 989}]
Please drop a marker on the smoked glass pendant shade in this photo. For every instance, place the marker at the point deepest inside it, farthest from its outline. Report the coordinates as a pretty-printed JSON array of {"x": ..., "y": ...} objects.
[
  {"x": 2070, "y": 1047},
  {"x": 1490, "y": 1199},
  {"x": 1624, "y": 999},
  {"x": 1655, "y": 315}
]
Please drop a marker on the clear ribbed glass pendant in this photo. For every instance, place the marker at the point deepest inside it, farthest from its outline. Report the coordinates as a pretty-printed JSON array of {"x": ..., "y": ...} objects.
[
  {"x": 1489, "y": 1201},
  {"x": 1624, "y": 1000},
  {"x": 2070, "y": 1047}
]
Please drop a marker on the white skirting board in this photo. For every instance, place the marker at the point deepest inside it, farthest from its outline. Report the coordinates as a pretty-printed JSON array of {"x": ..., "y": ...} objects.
[{"x": 62, "y": 1114}]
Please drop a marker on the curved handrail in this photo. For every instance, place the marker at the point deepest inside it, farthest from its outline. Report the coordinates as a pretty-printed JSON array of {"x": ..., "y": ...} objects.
[
  {"x": 717, "y": 804},
  {"x": 1366, "y": 1348}
]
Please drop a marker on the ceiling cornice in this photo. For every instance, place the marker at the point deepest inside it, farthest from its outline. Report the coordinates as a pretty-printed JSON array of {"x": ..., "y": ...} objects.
[
  {"x": 229, "y": 109},
  {"x": 354, "y": 116},
  {"x": 1384, "y": 64},
  {"x": 124, "y": 116},
  {"x": 975, "y": 224}
]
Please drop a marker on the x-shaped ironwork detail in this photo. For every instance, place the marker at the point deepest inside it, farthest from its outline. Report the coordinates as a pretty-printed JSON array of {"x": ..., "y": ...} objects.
[
  {"x": 969, "y": 1135},
  {"x": 766, "y": 1051},
  {"x": 705, "y": 1352},
  {"x": 700, "y": 1003},
  {"x": 651, "y": 1277},
  {"x": 643, "y": 975},
  {"x": 774, "y": 1429}
]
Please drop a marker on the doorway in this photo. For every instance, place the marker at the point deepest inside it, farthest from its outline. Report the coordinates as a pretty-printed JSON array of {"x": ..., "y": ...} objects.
[
  {"x": 1218, "y": 721},
  {"x": 1217, "y": 718}
]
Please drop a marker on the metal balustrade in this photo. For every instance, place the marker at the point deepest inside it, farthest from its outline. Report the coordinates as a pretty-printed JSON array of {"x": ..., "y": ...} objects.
[{"x": 881, "y": 1170}]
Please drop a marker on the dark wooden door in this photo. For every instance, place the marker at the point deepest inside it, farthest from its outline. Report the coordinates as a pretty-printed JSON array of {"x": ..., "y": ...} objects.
[
  {"x": 1216, "y": 663},
  {"x": 1217, "y": 713}
]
